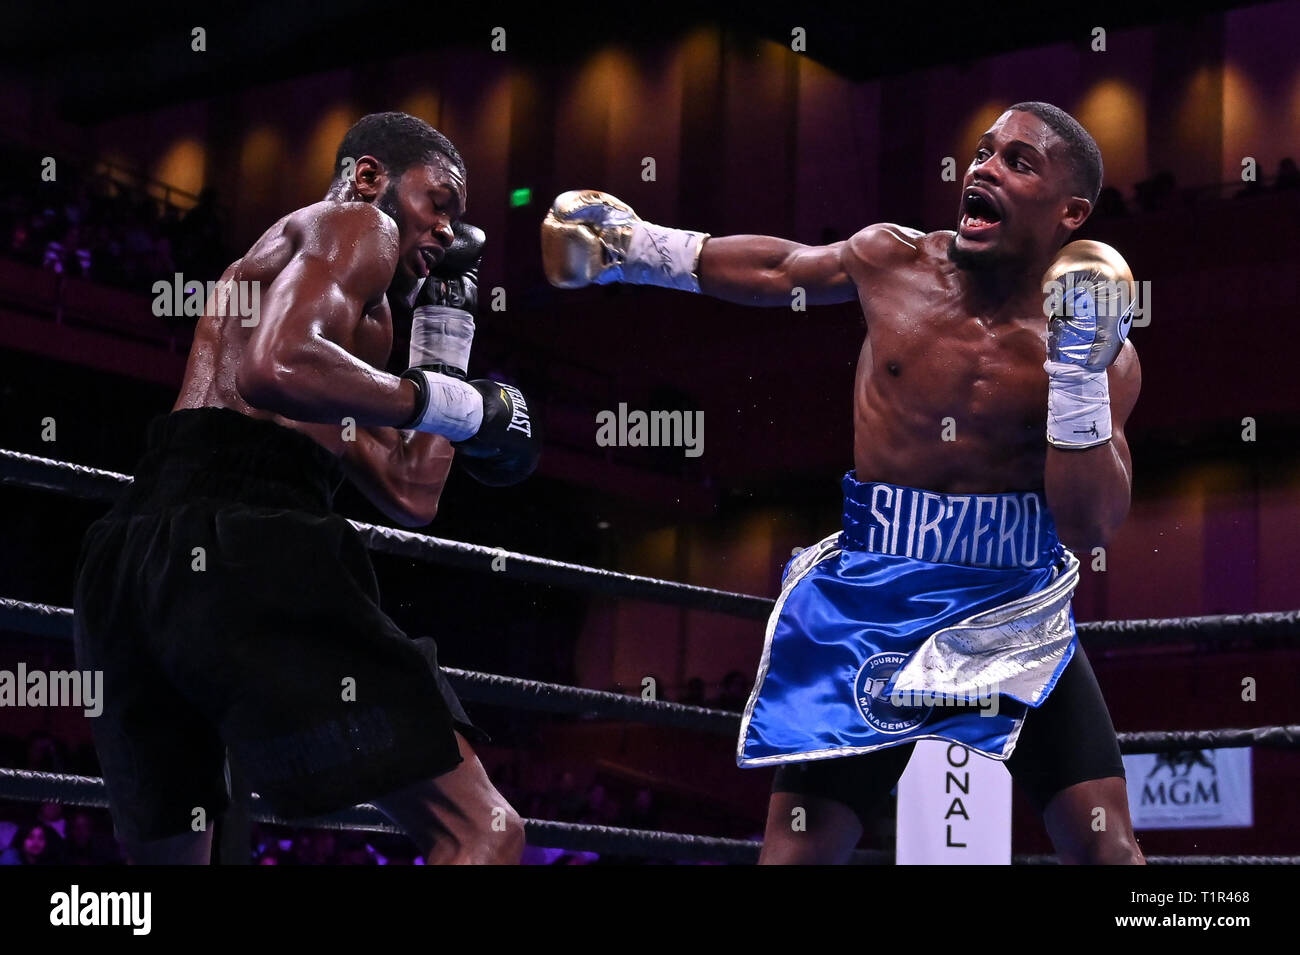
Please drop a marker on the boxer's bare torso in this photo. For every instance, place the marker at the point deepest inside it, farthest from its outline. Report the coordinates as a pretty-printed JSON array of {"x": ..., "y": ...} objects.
[
  {"x": 950, "y": 392},
  {"x": 220, "y": 341}
]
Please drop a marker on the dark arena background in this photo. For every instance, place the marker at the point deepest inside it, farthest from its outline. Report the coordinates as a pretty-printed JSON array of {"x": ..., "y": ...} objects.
[{"x": 140, "y": 146}]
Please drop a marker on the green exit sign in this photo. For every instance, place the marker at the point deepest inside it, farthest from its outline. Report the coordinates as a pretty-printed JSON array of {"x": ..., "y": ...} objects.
[{"x": 521, "y": 197}]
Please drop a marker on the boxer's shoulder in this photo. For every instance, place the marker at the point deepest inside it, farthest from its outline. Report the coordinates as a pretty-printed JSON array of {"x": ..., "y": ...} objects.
[
  {"x": 350, "y": 236},
  {"x": 881, "y": 247},
  {"x": 330, "y": 222}
]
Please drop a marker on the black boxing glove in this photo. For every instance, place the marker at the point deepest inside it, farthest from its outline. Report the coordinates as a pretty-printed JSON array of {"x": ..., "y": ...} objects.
[
  {"x": 442, "y": 324},
  {"x": 508, "y": 443},
  {"x": 457, "y": 273}
]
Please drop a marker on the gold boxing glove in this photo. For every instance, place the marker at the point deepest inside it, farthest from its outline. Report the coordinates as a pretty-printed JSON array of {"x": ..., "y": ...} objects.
[
  {"x": 591, "y": 237},
  {"x": 1089, "y": 297}
]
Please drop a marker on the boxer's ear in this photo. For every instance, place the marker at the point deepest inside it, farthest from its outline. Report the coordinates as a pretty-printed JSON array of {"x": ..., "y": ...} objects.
[
  {"x": 1076, "y": 212},
  {"x": 369, "y": 178}
]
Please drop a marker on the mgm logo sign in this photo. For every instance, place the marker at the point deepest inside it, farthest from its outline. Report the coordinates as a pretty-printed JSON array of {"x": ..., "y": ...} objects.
[{"x": 1182, "y": 788}]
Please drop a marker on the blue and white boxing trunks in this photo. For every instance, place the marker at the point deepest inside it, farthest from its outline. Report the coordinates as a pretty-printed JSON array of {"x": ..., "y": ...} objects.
[{"x": 931, "y": 616}]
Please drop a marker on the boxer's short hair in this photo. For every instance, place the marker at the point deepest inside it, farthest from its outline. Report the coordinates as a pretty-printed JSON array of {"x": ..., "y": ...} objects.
[
  {"x": 398, "y": 140},
  {"x": 1085, "y": 157}
]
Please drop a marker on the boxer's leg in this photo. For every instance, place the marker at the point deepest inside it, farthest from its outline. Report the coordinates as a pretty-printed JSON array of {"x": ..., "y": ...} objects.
[
  {"x": 162, "y": 761},
  {"x": 832, "y": 830},
  {"x": 1071, "y": 814},
  {"x": 818, "y": 809},
  {"x": 1067, "y": 761},
  {"x": 458, "y": 817}
]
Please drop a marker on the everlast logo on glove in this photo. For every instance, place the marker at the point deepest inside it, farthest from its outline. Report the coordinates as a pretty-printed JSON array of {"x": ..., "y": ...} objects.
[
  {"x": 519, "y": 420},
  {"x": 506, "y": 447}
]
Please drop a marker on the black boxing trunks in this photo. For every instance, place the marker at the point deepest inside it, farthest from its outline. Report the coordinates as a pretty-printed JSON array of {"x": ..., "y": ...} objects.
[{"x": 228, "y": 607}]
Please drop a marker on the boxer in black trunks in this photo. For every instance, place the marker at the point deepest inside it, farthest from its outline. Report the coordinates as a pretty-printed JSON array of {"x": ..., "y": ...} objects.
[
  {"x": 956, "y": 332},
  {"x": 227, "y": 606}
]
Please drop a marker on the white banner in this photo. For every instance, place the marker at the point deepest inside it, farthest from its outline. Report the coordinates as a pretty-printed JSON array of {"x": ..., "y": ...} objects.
[
  {"x": 954, "y": 808},
  {"x": 1192, "y": 789}
]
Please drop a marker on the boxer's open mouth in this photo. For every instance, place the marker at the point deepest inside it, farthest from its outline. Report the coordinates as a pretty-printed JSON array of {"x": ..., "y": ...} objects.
[{"x": 980, "y": 212}]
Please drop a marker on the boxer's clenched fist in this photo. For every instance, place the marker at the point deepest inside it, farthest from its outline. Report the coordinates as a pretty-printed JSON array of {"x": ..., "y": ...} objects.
[
  {"x": 442, "y": 324},
  {"x": 507, "y": 445},
  {"x": 1089, "y": 304},
  {"x": 591, "y": 237}
]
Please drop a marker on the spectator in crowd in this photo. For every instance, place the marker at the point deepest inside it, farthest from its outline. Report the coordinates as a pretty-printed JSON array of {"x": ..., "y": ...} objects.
[
  {"x": 34, "y": 844},
  {"x": 94, "y": 226},
  {"x": 86, "y": 844},
  {"x": 50, "y": 814},
  {"x": 69, "y": 255}
]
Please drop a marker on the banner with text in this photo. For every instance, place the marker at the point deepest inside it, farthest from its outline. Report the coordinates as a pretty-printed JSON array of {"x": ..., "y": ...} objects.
[
  {"x": 1191, "y": 789},
  {"x": 954, "y": 808}
]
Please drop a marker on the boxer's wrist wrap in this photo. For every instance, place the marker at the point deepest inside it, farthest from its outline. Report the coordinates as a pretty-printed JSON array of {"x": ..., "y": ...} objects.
[
  {"x": 1078, "y": 406},
  {"x": 669, "y": 258},
  {"x": 441, "y": 337},
  {"x": 444, "y": 405}
]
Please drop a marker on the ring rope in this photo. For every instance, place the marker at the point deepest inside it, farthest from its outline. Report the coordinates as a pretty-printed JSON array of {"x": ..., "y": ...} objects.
[
  {"x": 26, "y": 470},
  {"x": 35, "y": 472},
  {"x": 30, "y": 786},
  {"x": 492, "y": 688},
  {"x": 471, "y": 685},
  {"x": 30, "y": 471}
]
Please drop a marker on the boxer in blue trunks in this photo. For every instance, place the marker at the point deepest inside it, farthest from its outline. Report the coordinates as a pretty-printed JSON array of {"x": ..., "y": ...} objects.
[{"x": 942, "y": 608}]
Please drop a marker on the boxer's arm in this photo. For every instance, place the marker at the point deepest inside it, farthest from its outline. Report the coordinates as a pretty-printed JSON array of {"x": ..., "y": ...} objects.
[
  {"x": 294, "y": 363},
  {"x": 591, "y": 237},
  {"x": 1088, "y": 491},
  {"x": 401, "y": 472},
  {"x": 763, "y": 270}
]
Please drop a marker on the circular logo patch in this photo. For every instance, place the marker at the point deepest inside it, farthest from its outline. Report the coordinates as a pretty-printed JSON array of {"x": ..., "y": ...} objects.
[{"x": 868, "y": 692}]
